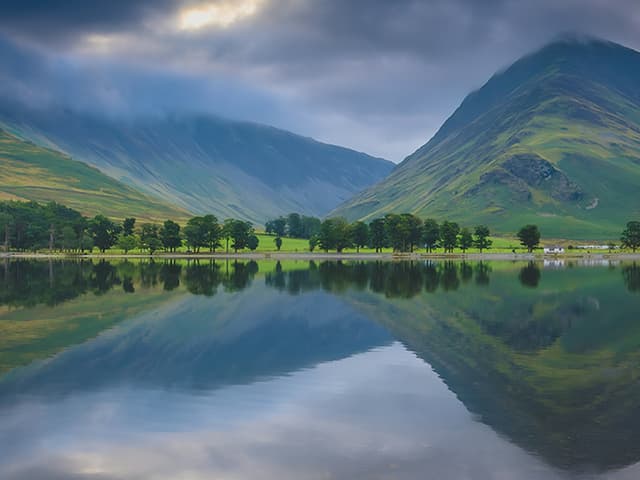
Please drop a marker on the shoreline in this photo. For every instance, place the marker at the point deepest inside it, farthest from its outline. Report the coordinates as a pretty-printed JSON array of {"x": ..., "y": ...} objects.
[{"x": 329, "y": 256}]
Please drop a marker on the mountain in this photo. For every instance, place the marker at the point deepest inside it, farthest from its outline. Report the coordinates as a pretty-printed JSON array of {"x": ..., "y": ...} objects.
[
  {"x": 30, "y": 172},
  {"x": 203, "y": 163},
  {"x": 553, "y": 140}
]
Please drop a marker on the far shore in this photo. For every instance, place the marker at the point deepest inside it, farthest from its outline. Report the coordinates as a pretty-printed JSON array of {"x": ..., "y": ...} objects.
[{"x": 332, "y": 256}]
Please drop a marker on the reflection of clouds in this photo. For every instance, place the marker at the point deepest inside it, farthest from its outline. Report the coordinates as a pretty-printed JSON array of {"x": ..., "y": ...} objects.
[{"x": 380, "y": 414}]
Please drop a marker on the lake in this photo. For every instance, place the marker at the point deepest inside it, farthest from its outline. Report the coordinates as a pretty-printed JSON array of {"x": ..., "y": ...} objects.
[{"x": 319, "y": 370}]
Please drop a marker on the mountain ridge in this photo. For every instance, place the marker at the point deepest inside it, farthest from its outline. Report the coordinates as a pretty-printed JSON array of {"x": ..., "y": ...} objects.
[
  {"x": 518, "y": 149},
  {"x": 205, "y": 163}
]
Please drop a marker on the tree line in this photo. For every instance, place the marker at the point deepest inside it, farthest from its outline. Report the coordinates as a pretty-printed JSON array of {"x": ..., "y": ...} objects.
[{"x": 30, "y": 226}]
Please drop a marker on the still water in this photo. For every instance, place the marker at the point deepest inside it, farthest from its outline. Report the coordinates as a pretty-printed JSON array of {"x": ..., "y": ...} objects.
[{"x": 318, "y": 370}]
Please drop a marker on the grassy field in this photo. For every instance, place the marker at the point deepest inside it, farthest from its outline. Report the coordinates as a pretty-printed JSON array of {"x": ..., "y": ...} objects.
[
  {"x": 30, "y": 172},
  {"x": 298, "y": 245}
]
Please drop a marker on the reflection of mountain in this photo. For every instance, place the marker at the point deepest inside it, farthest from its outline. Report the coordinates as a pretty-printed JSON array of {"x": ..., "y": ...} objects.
[
  {"x": 556, "y": 371},
  {"x": 200, "y": 343}
]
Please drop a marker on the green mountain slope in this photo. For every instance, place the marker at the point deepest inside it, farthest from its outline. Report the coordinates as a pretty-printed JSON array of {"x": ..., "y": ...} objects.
[
  {"x": 553, "y": 140},
  {"x": 203, "y": 163},
  {"x": 29, "y": 172}
]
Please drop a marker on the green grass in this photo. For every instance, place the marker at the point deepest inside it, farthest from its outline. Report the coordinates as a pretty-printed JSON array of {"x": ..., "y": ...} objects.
[{"x": 30, "y": 172}]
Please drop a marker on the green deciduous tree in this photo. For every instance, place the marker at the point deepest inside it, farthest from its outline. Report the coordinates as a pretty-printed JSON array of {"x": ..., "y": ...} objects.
[
  {"x": 430, "y": 234},
  {"x": 277, "y": 226},
  {"x": 127, "y": 242},
  {"x": 335, "y": 234},
  {"x": 212, "y": 232},
  {"x": 449, "y": 235},
  {"x": 150, "y": 237},
  {"x": 240, "y": 233},
  {"x": 170, "y": 236},
  {"x": 377, "y": 236},
  {"x": 630, "y": 237},
  {"x": 195, "y": 233},
  {"x": 529, "y": 236},
  {"x": 278, "y": 242},
  {"x": 128, "y": 225},
  {"x": 466, "y": 239},
  {"x": 359, "y": 235},
  {"x": 313, "y": 242},
  {"x": 294, "y": 225},
  {"x": 253, "y": 242},
  {"x": 104, "y": 232},
  {"x": 482, "y": 240},
  {"x": 6, "y": 222},
  {"x": 397, "y": 231}
]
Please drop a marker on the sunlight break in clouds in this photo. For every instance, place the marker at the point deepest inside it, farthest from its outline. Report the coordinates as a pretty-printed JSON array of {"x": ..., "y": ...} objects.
[{"x": 220, "y": 14}]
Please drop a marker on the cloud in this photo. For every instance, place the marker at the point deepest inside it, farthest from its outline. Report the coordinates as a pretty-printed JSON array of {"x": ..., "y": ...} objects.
[{"x": 375, "y": 75}]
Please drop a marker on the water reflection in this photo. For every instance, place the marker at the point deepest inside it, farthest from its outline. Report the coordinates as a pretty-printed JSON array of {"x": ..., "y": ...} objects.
[
  {"x": 631, "y": 275},
  {"x": 276, "y": 369}
]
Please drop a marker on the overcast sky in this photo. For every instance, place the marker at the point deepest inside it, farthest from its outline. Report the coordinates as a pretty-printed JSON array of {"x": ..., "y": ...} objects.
[{"x": 379, "y": 76}]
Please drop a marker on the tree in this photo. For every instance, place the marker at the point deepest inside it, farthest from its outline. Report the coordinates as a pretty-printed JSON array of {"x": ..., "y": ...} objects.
[
  {"x": 128, "y": 225},
  {"x": 6, "y": 222},
  {"x": 482, "y": 240},
  {"x": 227, "y": 231},
  {"x": 529, "y": 236},
  {"x": 397, "y": 231},
  {"x": 277, "y": 226},
  {"x": 212, "y": 232},
  {"x": 252, "y": 242},
  {"x": 335, "y": 233},
  {"x": 240, "y": 233},
  {"x": 170, "y": 236},
  {"x": 377, "y": 237},
  {"x": 430, "y": 234},
  {"x": 466, "y": 239},
  {"x": 150, "y": 237},
  {"x": 313, "y": 242},
  {"x": 278, "y": 242},
  {"x": 294, "y": 225},
  {"x": 195, "y": 233},
  {"x": 310, "y": 226},
  {"x": 104, "y": 232},
  {"x": 359, "y": 234},
  {"x": 449, "y": 234},
  {"x": 414, "y": 230},
  {"x": 67, "y": 239},
  {"x": 127, "y": 242},
  {"x": 631, "y": 236}
]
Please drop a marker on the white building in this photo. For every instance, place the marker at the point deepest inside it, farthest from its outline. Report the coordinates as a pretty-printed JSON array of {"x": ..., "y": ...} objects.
[{"x": 554, "y": 249}]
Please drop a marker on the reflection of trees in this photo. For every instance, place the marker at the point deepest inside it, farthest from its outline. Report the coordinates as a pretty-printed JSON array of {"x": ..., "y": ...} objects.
[
  {"x": 392, "y": 279},
  {"x": 32, "y": 282},
  {"x": 170, "y": 275},
  {"x": 449, "y": 277},
  {"x": 27, "y": 283},
  {"x": 202, "y": 278},
  {"x": 104, "y": 277},
  {"x": 466, "y": 272},
  {"x": 239, "y": 276},
  {"x": 631, "y": 275},
  {"x": 482, "y": 273},
  {"x": 530, "y": 275}
]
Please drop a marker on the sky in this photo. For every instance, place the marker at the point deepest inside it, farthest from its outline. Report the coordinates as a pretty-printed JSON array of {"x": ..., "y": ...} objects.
[{"x": 379, "y": 76}]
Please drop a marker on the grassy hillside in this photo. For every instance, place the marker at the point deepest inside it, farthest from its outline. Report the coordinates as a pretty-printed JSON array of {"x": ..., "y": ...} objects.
[
  {"x": 29, "y": 172},
  {"x": 206, "y": 164},
  {"x": 553, "y": 140}
]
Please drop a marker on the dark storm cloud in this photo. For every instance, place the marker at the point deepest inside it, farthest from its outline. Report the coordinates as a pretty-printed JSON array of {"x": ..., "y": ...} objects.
[
  {"x": 61, "y": 20},
  {"x": 380, "y": 76}
]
